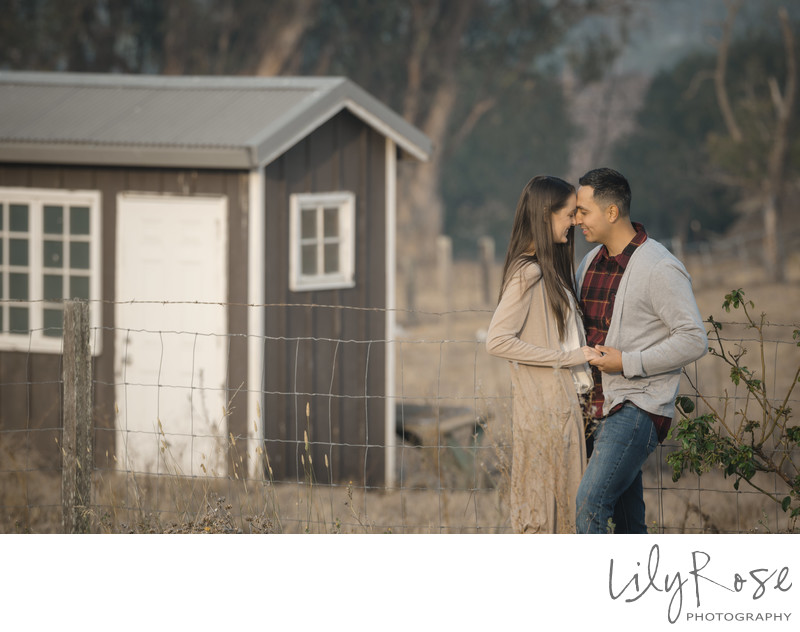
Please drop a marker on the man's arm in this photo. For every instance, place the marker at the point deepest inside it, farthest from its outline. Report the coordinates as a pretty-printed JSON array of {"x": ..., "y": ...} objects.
[{"x": 673, "y": 302}]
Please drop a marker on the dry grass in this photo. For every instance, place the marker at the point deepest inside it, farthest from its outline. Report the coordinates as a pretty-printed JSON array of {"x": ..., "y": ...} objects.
[
  {"x": 171, "y": 504},
  {"x": 462, "y": 371},
  {"x": 458, "y": 486}
]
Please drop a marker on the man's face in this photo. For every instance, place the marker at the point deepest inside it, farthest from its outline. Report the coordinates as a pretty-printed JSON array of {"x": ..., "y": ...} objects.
[{"x": 591, "y": 218}]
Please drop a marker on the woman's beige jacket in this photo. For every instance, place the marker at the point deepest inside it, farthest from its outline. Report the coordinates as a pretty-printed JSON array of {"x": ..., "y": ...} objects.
[{"x": 549, "y": 449}]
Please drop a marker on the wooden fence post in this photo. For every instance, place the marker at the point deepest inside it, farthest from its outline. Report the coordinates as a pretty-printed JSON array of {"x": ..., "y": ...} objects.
[
  {"x": 77, "y": 458},
  {"x": 444, "y": 260},
  {"x": 409, "y": 271},
  {"x": 486, "y": 248}
]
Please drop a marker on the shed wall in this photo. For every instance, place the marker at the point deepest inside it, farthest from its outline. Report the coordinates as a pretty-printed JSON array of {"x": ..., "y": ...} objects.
[
  {"x": 329, "y": 360},
  {"x": 30, "y": 382}
]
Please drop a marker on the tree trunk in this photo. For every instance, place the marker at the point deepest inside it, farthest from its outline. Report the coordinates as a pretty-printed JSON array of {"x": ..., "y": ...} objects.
[
  {"x": 420, "y": 210},
  {"x": 773, "y": 265},
  {"x": 420, "y": 207},
  {"x": 176, "y": 36},
  {"x": 773, "y": 180},
  {"x": 721, "y": 71},
  {"x": 280, "y": 39},
  {"x": 784, "y": 105}
]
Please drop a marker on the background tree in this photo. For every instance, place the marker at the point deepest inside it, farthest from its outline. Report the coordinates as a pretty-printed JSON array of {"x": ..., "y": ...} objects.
[
  {"x": 759, "y": 114},
  {"x": 446, "y": 66},
  {"x": 666, "y": 155},
  {"x": 714, "y": 138},
  {"x": 81, "y": 35},
  {"x": 443, "y": 64},
  {"x": 526, "y": 133}
]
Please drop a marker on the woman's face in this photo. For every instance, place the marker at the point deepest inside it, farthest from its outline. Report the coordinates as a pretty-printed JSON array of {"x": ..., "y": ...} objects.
[{"x": 563, "y": 219}]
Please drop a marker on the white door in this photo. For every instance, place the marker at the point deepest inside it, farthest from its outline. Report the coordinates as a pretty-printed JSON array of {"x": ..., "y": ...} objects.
[{"x": 170, "y": 334}]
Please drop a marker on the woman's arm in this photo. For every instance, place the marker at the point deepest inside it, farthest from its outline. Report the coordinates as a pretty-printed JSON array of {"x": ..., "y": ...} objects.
[{"x": 508, "y": 320}]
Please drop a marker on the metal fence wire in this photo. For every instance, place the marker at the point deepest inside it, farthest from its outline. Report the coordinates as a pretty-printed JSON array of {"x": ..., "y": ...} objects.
[{"x": 304, "y": 430}]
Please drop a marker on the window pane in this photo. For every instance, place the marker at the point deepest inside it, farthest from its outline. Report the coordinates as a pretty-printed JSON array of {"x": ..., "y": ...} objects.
[
  {"x": 18, "y": 320},
  {"x": 53, "y": 322},
  {"x": 19, "y": 218},
  {"x": 79, "y": 255},
  {"x": 331, "y": 258},
  {"x": 79, "y": 287},
  {"x": 1, "y": 216},
  {"x": 53, "y": 254},
  {"x": 308, "y": 228},
  {"x": 53, "y": 287},
  {"x": 18, "y": 252},
  {"x": 331, "y": 222},
  {"x": 54, "y": 220},
  {"x": 79, "y": 220},
  {"x": 309, "y": 263},
  {"x": 18, "y": 286}
]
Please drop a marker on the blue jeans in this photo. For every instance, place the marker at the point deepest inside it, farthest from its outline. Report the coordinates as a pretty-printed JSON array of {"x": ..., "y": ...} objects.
[{"x": 611, "y": 487}]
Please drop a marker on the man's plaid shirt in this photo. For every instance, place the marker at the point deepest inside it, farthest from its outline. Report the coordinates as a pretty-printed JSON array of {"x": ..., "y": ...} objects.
[{"x": 598, "y": 292}]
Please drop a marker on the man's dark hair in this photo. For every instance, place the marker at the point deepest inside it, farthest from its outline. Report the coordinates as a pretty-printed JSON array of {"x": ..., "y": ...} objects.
[{"x": 610, "y": 187}]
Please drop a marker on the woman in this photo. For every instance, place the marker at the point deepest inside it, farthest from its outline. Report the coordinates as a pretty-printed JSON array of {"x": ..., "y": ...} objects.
[{"x": 538, "y": 328}]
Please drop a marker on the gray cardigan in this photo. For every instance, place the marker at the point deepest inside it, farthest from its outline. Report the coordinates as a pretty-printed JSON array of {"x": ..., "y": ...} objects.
[{"x": 657, "y": 326}]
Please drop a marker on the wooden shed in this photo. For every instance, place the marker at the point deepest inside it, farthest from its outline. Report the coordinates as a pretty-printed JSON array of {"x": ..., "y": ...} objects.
[{"x": 202, "y": 217}]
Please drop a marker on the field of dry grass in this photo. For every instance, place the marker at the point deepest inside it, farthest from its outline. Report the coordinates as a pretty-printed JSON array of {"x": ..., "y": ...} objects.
[
  {"x": 461, "y": 373},
  {"x": 458, "y": 484}
]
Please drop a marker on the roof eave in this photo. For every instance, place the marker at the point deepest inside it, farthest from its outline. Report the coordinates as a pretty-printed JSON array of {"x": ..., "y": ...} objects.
[
  {"x": 346, "y": 95},
  {"x": 385, "y": 120},
  {"x": 127, "y": 155},
  {"x": 326, "y": 98}
]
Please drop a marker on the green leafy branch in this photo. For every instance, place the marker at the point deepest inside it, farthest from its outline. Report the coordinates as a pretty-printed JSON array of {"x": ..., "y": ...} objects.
[{"x": 737, "y": 443}]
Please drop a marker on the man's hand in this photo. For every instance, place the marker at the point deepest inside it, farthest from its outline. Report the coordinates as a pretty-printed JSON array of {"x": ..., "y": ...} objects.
[{"x": 609, "y": 361}]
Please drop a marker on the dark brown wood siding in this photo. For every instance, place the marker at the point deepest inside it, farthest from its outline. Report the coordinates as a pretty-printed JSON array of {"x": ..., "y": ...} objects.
[
  {"x": 324, "y": 350},
  {"x": 30, "y": 382}
]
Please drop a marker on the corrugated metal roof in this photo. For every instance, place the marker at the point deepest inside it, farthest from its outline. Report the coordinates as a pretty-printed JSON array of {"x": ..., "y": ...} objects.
[{"x": 226, "y": 122}]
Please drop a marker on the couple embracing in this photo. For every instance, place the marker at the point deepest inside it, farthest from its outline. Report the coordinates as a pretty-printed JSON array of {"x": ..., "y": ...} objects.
[{"x": 595, "y": 354}]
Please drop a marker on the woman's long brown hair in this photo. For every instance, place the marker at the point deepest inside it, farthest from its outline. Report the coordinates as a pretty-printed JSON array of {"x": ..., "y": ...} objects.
[{"x": 542, "y": 196}]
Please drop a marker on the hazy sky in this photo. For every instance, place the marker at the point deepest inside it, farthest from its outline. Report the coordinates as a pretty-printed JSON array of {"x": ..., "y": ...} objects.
[{"x": 663, "y": 31}]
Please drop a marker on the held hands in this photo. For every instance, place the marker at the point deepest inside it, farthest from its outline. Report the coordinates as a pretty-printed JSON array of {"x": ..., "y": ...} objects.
[
  {"x": 607, "y": 359},
  {"x": 590, "y": 353}
]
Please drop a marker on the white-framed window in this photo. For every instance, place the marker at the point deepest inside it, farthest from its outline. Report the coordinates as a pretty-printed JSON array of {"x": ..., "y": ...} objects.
[
  {"x": 322, "y": 248},
  {"x": 50, "y": 250}
]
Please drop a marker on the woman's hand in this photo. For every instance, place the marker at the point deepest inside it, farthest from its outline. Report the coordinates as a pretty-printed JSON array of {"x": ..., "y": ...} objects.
[{"x": 590, "y": 353}]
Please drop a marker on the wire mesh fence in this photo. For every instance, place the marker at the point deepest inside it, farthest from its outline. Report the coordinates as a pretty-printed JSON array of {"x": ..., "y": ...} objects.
[{"x": 405, "y": 433}]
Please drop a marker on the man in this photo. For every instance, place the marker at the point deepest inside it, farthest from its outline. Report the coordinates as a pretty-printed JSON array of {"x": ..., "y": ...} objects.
[{"x": 642, "y": 318}]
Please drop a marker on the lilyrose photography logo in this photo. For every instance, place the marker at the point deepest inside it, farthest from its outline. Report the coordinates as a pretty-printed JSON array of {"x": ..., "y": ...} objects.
[{"x": 695, "y": 585}]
